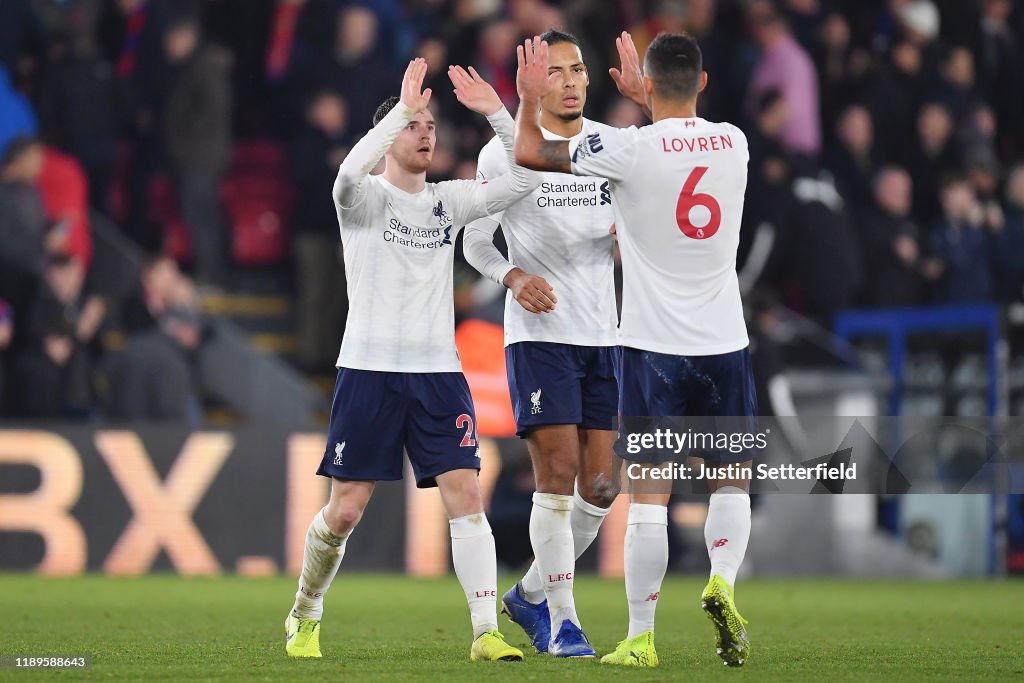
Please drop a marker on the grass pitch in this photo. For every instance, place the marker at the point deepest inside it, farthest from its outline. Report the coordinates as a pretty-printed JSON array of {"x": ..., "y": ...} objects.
[{"x": 390, "y": 628}]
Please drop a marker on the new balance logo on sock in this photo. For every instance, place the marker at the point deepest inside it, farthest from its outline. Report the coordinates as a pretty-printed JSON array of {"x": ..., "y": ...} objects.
[
  {"x": 554, "y": 578},
  {"x": 719, "y": 543},
  {"x": 486, "y": 594},
  {"x": 652, "y": 597}
]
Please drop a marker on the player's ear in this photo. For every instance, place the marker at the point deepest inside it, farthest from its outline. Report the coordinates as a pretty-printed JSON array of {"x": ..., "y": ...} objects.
[
  {"x": 703, "y": 81},
  {"x": 648, "y": 86}
]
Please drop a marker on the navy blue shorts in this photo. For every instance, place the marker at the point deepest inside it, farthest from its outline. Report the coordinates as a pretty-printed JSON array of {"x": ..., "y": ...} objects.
[
  {"x": 375, "y": 415},
  {"x": 701, "y": 394},
  {"x": 563, "y": 384}
]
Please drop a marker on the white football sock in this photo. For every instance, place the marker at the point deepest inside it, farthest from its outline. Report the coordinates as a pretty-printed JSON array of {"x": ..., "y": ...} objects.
[
  {"x": 646, "y": 559},
  {"x": 586, "y": 522},
  {"x": 320, "y": 561},
  {"x": 477, "y": 569},
  {"x": 727, "y": 531},
  {"x": 551, "y": 537},
  {"x": 585, "y": 519}
]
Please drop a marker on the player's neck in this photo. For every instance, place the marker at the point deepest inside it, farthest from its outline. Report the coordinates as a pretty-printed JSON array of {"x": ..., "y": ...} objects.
[
  {"x": 554, "y": 124},
  {"x": 672, "y": 109},
  {"x": 412, "y": 183}
]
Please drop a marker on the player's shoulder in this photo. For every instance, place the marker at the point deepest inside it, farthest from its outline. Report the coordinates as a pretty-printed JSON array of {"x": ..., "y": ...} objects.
[
  {"x": 491, "y": 158},
  {"x": 726, "y": 128},
  {"x": 591, "y": 126}
]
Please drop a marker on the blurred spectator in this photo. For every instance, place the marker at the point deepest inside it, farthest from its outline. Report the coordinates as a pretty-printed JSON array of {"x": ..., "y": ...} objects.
[
  {"x": 786, "y": 67},
  {"x": 842, "y": 67},
  {"x": 16, "y": 116},
  {"x": 919, "y": 19},
  {"x": 999, "y": 64},
  {"x": 141, "y": 309},
  {"x": 65, "y": 194},
  {"x": 131, "y": 36},
  {"x": 153, "y": 377},
  {"x": 853, "y": 157},
  {"x": 892, "y": 242},
  {"x": 314, "y": 157},
  {"x": 1010, "y": 257},
  {"x": 895, "y": 91},
  {"x": 283, "y": 42},
  {"x": 496, "y": 59},
  {"x": 935, "y": 156},
  {"x": 823, "y": 259},
  {"x": 772, "y": 116},
  {"x": 770, "y": 205},
  {"x": 955, "y": 86},
  {"x": 197, "y": 138},
  {"x": 21, "y": 34},
  {"x": 52, "y": 374},
  {"x": 22, "y": 222},
  {"x": 77, "y": 104},
  {"x": 961, "y": 246},
  {"x": 356, "y": 67}
]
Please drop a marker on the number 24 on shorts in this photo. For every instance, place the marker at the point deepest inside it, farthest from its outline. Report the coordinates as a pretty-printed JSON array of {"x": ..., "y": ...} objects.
[{"x": 689, "y": 199}]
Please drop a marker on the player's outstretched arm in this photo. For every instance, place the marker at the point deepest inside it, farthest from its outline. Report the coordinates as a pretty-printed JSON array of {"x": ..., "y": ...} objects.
[
  {"x": 630, "y": 77},
  {"x": 368, "y": 151},
  {"x": 489, "y": 197},
  {"x": 533, "y": 82}
]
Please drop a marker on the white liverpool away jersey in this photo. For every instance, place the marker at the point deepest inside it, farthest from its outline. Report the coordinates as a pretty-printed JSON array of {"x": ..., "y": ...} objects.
[
  {"x": 399, "y": 251},
  {"x": 678, "y": 186},
  {"x": 561, "y": 232}
]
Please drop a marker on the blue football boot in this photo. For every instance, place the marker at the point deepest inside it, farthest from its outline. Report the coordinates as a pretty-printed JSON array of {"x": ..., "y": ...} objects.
[
  {"x": 570, "y": 642},
  {"x": 533, "y": 619}
]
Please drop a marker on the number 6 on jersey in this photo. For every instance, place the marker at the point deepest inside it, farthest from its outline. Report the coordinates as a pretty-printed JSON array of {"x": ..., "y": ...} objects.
[{"x": 688, "y": 201}]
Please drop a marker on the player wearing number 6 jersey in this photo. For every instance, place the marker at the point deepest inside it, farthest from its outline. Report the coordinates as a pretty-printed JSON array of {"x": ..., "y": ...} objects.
[
  {"x": 400, "y": 383},
  {"x": 678, "y": 185}
]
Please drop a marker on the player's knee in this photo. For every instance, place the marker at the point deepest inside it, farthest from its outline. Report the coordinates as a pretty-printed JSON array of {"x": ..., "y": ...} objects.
[
  {"x": 342, "y": 516},
  {"x": 557, "y": 476},
  {"x": 599, "y": 489}
]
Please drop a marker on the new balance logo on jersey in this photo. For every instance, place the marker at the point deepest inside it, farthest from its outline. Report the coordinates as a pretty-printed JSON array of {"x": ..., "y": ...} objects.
[
  {"x": 339, "y": 451},
  {"x": 447, "y": 233},
  {"x": 535, "y": 400},
  {"x": 589, "y": 145},
  {"x": 606, "y": 194}
]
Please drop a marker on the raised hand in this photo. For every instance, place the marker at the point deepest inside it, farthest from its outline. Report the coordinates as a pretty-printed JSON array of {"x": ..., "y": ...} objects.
[
  {"x": 473, "y": 91},
  {"x": 532, "y": 78},
  {"x": 630, "y": 78},
  {"x": 413, "y": 96}
]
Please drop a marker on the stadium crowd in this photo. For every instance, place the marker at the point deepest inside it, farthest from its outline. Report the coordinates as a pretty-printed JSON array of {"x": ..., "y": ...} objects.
[{"x": 887, "y": 139}]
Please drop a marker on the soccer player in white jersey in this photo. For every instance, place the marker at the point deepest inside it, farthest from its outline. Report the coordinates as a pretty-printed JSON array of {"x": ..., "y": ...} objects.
[
  {"x": 563, "y": 360},
  {"x": 678, "y": 186},
  {"x": 400, "y": 383}
]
